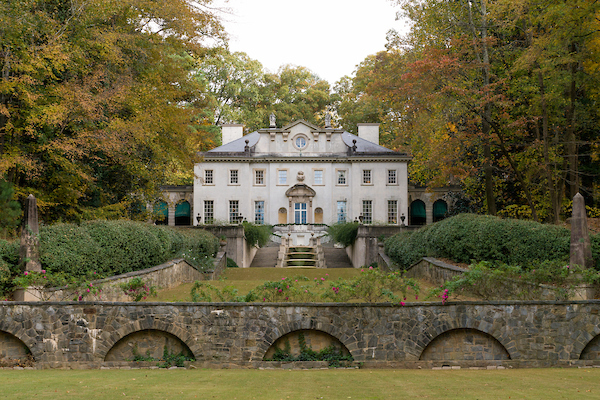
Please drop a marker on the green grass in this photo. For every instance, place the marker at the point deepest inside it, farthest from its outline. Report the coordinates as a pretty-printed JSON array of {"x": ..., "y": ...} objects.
[
  {"x": 246, "y": 279},
  {"x": 545, "y": 384}
]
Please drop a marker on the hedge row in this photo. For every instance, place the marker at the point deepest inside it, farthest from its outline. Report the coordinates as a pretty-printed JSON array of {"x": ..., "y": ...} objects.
[
  {"x": 111, "y": 247},
  {"x": 469, "y": 237}
]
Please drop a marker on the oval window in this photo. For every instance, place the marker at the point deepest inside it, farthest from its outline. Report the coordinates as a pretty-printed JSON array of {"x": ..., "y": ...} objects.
[{"x": 300, "y": 142}]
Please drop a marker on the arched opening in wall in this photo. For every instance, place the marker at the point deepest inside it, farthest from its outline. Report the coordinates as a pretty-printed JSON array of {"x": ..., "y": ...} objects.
[
  {"x": 318, "y": 215},
  {"x": 282, "y": 216},
  {"x": 464, "y": 345},
  {"x": 183, "y": 214},
  {"x": 148, "y": 345},
  {"x": 13, "y": 352},
  {"x": 307, "y": 345},
  {"x": 592, "y": 350},
  {"x": 417, "y": 213},
  {"x": 440, "y": 210},
  {"x": 161, "y": 213}
]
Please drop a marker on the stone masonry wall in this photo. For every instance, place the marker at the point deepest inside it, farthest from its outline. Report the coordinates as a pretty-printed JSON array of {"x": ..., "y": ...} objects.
[{"x": 82, "y": 335}]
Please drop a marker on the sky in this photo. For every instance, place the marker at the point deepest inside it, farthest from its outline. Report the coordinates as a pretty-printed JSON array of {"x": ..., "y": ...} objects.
[{"x": 329, "y": 37}]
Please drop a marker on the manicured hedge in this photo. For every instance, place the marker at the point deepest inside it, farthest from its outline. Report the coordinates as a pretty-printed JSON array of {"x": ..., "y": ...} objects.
[
  {"x": 111, "y": 247},
  {"x": 470, "y": 237}
]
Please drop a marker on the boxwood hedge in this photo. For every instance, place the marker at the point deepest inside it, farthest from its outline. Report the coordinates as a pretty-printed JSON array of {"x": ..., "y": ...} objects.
[
  {"x": 470, "y": 237},
  {"x": 110, "y": 247}
]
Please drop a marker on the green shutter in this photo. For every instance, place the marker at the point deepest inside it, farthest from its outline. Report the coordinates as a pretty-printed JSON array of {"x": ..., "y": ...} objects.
[
  {"x": 417, "y": 209},
  {"x": 182, "y": 209}
]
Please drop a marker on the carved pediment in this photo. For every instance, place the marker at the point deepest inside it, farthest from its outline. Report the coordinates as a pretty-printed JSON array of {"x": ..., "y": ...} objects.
[{"x": 300, "y": 190}]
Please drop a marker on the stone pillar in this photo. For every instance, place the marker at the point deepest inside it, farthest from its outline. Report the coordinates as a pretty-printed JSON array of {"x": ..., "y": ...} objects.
[
  {"x": 171, "y": 211},
  {"x": 581, "y": 248},
  {"x": 29, "y": 252}
]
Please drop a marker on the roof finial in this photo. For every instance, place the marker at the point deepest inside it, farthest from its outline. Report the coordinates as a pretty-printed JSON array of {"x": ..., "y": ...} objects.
[{"x": 272, "y": 123}]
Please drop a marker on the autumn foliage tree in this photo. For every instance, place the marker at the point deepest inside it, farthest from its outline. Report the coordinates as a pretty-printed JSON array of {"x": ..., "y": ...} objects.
[
  {"x": 97, "y": 100},
  {"x": 497, "y": 96}
]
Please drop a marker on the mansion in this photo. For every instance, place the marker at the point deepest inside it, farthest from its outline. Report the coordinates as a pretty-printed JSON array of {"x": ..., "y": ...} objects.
[{"x": 301, "y": 174}]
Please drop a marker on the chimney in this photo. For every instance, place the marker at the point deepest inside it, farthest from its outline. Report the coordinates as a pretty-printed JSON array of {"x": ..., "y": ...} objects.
[
  {"x": 231, "y": 132},
  {"x": 369, "y": 132}
]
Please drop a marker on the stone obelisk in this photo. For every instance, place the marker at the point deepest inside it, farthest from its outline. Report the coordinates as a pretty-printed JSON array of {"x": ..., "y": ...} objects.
[{"x": 29, "y": 252}]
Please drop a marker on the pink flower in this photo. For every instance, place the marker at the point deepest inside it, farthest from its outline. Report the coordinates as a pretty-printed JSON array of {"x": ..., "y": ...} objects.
[
  {"x": 94, "y": 272},
  {"x": 322, "y": 279},
  {"x": 326, "y": 274},
  {"x": 362, "y": 270},
  {"x": 402, "y": 303},
  {"x": 296, "y": 280},
  {"x": 26, "y": 273},
  {"x": 88, "y": 290},
  {"x": 370, "y": 267},
  {"x": 280, "y": 290},
  {"x": 287, "y": 287},
  {"x": 91, "y": 285},
  {"x": 44, "y": 271},
  {"x": 417, "y": 297},
  {"x": 287, "y": 298},
  {"x": 264, "y": 299}
]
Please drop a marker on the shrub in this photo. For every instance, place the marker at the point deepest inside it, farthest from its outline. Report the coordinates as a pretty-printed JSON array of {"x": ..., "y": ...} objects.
[
  {"x": 258, "y": 235},
  {"x": 116, "y": 247},
  {"x": 344, "y": 232},
  {"x": 468, "y": 237},
  {"x": 137, "y": 289}
]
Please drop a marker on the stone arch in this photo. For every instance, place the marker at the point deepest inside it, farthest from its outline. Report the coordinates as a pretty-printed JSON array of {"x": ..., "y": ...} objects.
[
  {"x": 161, "y": 211},
  {"x": 148, "y": 324},
  {"x": 12, "y": 347},
  {"x": 464, "y": 344},
  {"x": 417, "y": 213},
  {"x": 147, "y": 342},
  {"x": 315, "y": 339},
  {"x": 183, "y": 213},
  {"x": 273, "y": 334},
  {"x": 591, "y": 351},
  {"x": 438, "y": 327},
  {"x": 16, "y": 330},
  {"x": 440, "y": 210}
]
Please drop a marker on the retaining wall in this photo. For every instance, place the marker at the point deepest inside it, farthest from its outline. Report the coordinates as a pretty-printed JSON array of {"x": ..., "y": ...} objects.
[{"x": 492, "y": 334}]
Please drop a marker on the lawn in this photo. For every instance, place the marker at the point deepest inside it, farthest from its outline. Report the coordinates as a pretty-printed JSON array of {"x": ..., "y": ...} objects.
[
  {"x": 246, "y": 279},
  {"x": 545, "y": 384}
]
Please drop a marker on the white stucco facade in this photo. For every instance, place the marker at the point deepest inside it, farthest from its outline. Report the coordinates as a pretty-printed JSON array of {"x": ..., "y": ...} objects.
[{"x": 301, "y": 173}]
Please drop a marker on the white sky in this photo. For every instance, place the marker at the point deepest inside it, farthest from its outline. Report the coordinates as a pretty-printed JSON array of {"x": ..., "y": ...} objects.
[{"x": 330, "y": 37}]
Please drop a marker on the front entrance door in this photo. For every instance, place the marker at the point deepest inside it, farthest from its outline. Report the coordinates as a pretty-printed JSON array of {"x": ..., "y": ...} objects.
[{"x": 300, "y": 211}]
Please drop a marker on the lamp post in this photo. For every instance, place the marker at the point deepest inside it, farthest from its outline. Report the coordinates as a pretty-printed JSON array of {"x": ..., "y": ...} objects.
[
  {"x": 198, "y": 218},
  {"x": 361, "y": 218},
  {"x": 402, "y": 218}
]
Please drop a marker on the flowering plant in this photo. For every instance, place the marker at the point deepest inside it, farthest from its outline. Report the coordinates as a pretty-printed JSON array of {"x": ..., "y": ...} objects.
[
  {"x": 58, "y": 286},
  {"x": 137, "y": 289}
]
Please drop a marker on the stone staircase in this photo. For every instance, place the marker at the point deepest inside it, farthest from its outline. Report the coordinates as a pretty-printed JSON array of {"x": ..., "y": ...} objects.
[
  {"x": 336, "y": 258},
  {"x": 266, "y": 257}
]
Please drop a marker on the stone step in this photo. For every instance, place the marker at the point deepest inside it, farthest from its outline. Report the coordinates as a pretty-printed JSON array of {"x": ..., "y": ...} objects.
[
  {"x": 336, "y": 258},
  {"x": 266, "y": 257}
]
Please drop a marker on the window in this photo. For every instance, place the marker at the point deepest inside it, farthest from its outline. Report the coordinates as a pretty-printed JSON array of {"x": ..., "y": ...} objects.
[
  {"x": 208, "y": 177},
  {"x": 367, "y": 177},
  {"x": 234, "y": 211},
  {"x": 209, "y": 211},
  {"x": 282, "y": 176},
  {"x": 300, "y": 142},
  {"x": 367, "y": 211},
  {"x": 341, "y": 211},
  {"x": 233, "y": 177},
  {"x": 259, "y": 212},
  {"x": 392, "y": 211},
  {"x": 300, "y": 213},
  {"x": 341, "y": 177},
  {"x": 259, "y": 177},
  {"x": 392, "y": 177},
  {"x": 318, "y": 176}
]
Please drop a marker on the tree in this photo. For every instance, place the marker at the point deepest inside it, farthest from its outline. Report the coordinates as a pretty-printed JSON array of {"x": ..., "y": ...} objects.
[{"x": 97, "y": 99}]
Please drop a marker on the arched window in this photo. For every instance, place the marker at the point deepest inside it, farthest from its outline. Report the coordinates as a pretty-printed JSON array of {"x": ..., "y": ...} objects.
[
  {"x": 161, "y": 213},
  {"x": 418, "y": 216},
  {"x": 318, "y": 215},
  {"x": 183, "y": 214},
  {"x": 440, "y": 210},
  {"x": 282, "y": 219}
]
